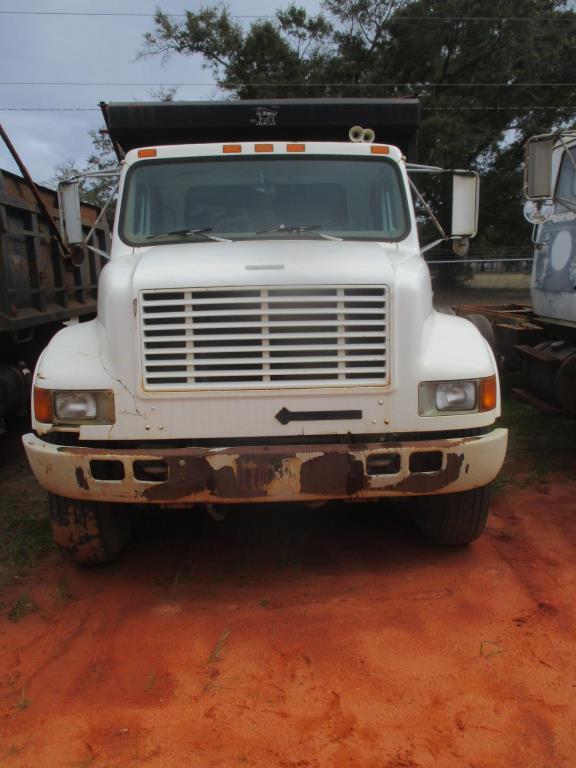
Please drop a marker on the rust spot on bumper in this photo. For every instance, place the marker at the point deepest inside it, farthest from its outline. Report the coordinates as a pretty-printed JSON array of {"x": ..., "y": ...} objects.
[
  {"x": 319, "y": 471},
  {"x": 268, "y": 473},
  {"x": 81, "y": 479},
  {"x": 247, "y": 477},
  {"x": 333, "y": 473},
  {"x": 431, "y": 482}
]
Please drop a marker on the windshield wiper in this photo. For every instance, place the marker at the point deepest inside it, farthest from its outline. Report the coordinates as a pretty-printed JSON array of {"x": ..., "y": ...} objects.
[
  {"x": 200, "y": 232},
  {"x": 298, "y": 229}
]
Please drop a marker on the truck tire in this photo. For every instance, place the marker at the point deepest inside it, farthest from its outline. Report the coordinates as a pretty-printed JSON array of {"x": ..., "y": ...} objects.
[
  {"x": 485, "y": 327},
  {"x": 89, "y": 532},
  {"x": 453, "y": 519}
]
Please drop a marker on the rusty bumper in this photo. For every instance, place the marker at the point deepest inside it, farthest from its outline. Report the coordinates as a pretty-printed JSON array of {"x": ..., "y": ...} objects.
[{"x": 267, "y": 473}]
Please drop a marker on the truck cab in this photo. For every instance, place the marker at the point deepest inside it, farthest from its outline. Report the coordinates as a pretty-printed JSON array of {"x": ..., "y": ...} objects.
[
  {"x": 265, "y": 331},
  {"x": 553, "y": 207}
]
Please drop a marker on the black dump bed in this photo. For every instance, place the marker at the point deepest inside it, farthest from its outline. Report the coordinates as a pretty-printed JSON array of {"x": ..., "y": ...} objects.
[
  {"x": 131, "y": 125},
  {"x": 35, "y": 288}
]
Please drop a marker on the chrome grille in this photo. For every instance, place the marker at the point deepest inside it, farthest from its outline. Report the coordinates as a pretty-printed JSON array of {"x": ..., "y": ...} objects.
[{"x": 261, "y": 338}]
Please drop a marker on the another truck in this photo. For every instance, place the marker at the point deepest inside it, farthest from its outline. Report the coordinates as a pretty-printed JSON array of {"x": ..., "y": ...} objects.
[
  {"x": 265, "y": 329},
  {"x": 539, "y": 341},
  {"x": 39, "y": 289}
]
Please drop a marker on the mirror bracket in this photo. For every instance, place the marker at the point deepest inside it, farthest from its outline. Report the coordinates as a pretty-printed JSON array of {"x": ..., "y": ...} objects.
[{"x": 71, "y": 214}]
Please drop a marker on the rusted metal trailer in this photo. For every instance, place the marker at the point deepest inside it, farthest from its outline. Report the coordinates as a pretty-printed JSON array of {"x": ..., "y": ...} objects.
[
  {"x": 542, "y": 349},
  {"x": 40, "y": 286}
]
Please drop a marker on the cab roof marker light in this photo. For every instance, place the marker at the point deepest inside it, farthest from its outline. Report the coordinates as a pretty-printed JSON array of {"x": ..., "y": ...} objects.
[
  {"x": 295, "y": 147},
  {"x": 150, "y": 152},
  {"x": 231, "y": 149},
  {"x": 264, "y": 147},
  {"x": 379, "y": 149}
]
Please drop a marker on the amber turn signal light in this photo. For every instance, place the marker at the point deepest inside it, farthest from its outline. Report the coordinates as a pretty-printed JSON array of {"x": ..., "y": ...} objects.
[
  {"x": 488, "y": 394},
  {"x": 43, "y": 405}
]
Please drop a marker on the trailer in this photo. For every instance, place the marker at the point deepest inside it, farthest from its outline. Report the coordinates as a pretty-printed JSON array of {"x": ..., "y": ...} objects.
[{"x": 40, "y": 289}]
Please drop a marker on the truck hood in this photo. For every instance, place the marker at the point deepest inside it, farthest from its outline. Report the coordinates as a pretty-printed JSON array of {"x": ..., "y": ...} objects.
[{"x": 267, "y": 262}]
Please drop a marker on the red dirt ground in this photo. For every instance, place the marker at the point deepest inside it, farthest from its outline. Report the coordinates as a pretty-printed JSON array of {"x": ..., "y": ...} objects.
[{"x": 304, "y": 638}]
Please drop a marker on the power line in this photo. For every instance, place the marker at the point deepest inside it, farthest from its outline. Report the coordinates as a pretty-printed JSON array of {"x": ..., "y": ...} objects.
[
  {"x": 529, "y": 108},
  {"x": 49, "y": 109},
  {"x": 519, "y": 108},
  {"x": 96, "y": 13},
  {"x": 448, "y": 19},
  {"x": 289, "y": 85}
]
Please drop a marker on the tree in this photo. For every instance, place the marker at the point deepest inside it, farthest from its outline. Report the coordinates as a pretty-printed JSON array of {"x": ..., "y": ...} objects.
[
  {"x": 97, "y": 189},
  {"x": 479, "y": 70}
]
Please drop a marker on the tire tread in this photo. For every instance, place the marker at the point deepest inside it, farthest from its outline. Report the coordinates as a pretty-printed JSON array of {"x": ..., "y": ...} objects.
[
  {"x": 88, "y": 532},
  {"x": 454, "y": 519}
]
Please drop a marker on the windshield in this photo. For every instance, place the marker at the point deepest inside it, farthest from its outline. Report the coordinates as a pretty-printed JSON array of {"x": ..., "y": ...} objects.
[{"x": 271, "y": 197}]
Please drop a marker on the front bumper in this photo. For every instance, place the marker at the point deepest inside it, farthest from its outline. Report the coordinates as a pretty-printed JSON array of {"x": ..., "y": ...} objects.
[{"x": 267, "y": 473}]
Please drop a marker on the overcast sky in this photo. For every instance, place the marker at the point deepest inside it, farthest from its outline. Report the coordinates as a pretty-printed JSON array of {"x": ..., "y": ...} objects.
[{"x": 87, "y": 49}]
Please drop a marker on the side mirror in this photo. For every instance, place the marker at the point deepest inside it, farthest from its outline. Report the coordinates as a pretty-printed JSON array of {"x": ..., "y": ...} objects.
[
  {"x": 465, "y": 204},
  {"x": 538, "y": 212},
  {"x": 69, "y": 194},
  {"x": 538, "y": 168}
]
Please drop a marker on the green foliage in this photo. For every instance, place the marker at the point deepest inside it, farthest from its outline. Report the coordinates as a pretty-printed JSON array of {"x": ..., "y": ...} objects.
[
  {"x": 24, "y": 523},
  {"x": 21, "y": 607},
  {"x": 538, "y": 444},
  {"x": 451, "y": 51},
  {"x": 95, "y": 190},
  {"x": 216, "y": 652}
]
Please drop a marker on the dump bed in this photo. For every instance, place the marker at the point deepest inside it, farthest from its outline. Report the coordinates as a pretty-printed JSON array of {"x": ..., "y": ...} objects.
[
  {"x": 131, "y": 125},
  {"x": 35, "y": 287}
]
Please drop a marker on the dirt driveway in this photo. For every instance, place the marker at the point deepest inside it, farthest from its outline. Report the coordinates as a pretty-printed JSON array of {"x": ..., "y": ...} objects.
[{"x": 303, "y": 638}]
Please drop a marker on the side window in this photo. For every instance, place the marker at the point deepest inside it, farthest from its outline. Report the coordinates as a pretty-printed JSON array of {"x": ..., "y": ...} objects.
[
  {"x": 566, "y": 186},
  {"x": 141, "y": 221}
]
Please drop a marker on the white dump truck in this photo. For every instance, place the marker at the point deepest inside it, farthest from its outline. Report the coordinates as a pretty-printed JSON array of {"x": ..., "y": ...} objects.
[{"x": 265, "y": 329}]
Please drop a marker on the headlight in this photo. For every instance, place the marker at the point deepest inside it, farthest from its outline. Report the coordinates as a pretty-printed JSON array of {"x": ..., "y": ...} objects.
[
  {"x": 473, "y": 396},
  {"x": 74, "y": 406},
  {"x": 456, "y": 396}
]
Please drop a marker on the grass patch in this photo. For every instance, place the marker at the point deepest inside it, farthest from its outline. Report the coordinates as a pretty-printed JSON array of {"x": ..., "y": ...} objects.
[
  {"x": 63, "y": 593},
  {"x": 537, "y": 444},
  {"x": 216, "y": 652},
  {"x": 23, "y": 703},
  {"x": 24, "y": 525},
  {"x": 150, "y": 681},
  {"x": 21, "y": 607}
]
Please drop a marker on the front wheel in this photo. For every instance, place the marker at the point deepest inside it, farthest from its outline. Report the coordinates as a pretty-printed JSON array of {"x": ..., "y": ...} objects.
[
  {"x": 89, "y": 532},
  {"x": 453, "y": 519}
]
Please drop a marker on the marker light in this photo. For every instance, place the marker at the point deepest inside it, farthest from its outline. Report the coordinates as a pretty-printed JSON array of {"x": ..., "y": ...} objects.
[
  {"x": 379, "y": 149},
  {"x": 231, "y": 149},
  {"x": 264, "y": 147},
  {"x": 295, "y": 147},
  {"x": 43, "y": 405},
  {"x": 488, "y": 394},
  {"x": 147, "y": 152}
]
